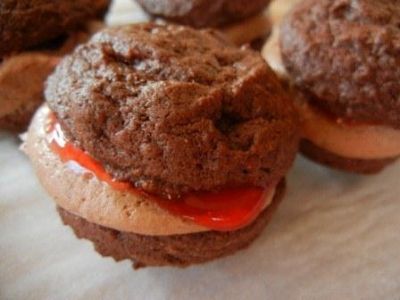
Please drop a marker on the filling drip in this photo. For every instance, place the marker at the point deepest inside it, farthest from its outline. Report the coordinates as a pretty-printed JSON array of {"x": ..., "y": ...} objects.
[{"x": 226, "y": 210}]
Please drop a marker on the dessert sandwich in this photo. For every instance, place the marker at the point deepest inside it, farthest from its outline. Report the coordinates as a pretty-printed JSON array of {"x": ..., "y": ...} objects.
[
  {"x": 241, "y": 21},
  {"x": 342, "y": 60},
  {"x": 33, "y": 37},
  {"x": 163, "y": 144}
]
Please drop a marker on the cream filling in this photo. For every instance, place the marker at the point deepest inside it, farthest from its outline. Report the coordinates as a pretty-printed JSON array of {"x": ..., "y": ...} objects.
[
  {"x": 248, "y": 30},
  {"x": 96, "y": 201},
  {"x": 279, "y": 8},
  {"x": 272, "y": 54},
  {"x": 22, "y": 75},
  {"x": 350, "y": 141}
]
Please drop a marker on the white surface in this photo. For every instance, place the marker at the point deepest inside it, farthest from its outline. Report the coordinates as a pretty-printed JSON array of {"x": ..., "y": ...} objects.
[{"x": 335, "y": 236}]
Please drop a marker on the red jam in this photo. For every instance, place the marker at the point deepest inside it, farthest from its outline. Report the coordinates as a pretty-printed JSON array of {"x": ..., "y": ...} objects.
[{"x": 224, "y": 211}]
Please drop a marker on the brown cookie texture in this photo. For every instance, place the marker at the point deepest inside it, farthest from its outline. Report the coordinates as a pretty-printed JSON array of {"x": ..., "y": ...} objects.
[
  {"x": 22, "y": 78},
  {"x": 25, "y": 24},
  {"x": 21, "y": 88},
  {"x": 18, "y": 120},
  {"x": 346, "y": 53},
  {"x": 172, "y": 109},
  {"x": 173, "y": 250},
  {"x": 203, "y": 13},
  {"x": 361, "y": 166}
]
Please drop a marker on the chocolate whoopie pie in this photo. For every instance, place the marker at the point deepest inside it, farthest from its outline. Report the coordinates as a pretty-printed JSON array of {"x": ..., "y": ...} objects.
[
  {"x": 163, "y": 145},
  {"x": 241, "y": 20},
  {"x": 342, "y": 59},
  {"x": 33, "y": 37}
]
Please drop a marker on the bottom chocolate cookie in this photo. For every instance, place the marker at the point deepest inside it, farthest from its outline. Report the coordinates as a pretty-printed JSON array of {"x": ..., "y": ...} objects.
[
  {"x": 174, "y": 250},
  {"x": 327, "y": 158}
]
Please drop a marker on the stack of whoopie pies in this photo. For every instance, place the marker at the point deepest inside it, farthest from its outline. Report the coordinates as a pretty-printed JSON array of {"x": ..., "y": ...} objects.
[
  {"x": 33, "y": 36},
  {"x": 164, "y": 144},
  {"x": 342, "y": 59},
  {"x": 241, "y": 20}
]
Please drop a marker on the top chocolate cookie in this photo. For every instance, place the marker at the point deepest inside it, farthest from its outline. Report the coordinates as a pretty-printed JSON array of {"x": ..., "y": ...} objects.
[
  {"x": 172, "y": 109},
  {"x": 346, "y": 53},
  {"x": 203, "y": 13},
  {"x": 28, "y": 23}
]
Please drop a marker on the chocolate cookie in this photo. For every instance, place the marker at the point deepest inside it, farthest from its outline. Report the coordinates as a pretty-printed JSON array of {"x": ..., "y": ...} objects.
[
  {"x": 21, "y": 88},
  {"x": 172, "y": 110},
  {"x": 172, "y": 250},
  {"x": 346, "y": 53},
  {"x": 22, "y": 77},
  {"x": 203, "y": 13},
  {"x": 18, "y": 120},
  {"x": 25, "y": 24}
]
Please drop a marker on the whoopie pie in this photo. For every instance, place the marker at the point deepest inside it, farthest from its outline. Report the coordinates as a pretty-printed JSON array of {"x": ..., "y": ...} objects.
[
  {"x": 241, "y": 20},
  {"x": 164, "y": 144},
  {"x": 342, "y": 60},
  {"x": 33, "y": 37}
]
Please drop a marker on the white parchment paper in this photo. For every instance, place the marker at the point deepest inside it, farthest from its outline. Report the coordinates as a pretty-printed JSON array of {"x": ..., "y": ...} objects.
[{"x": 335, "y": 236}]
